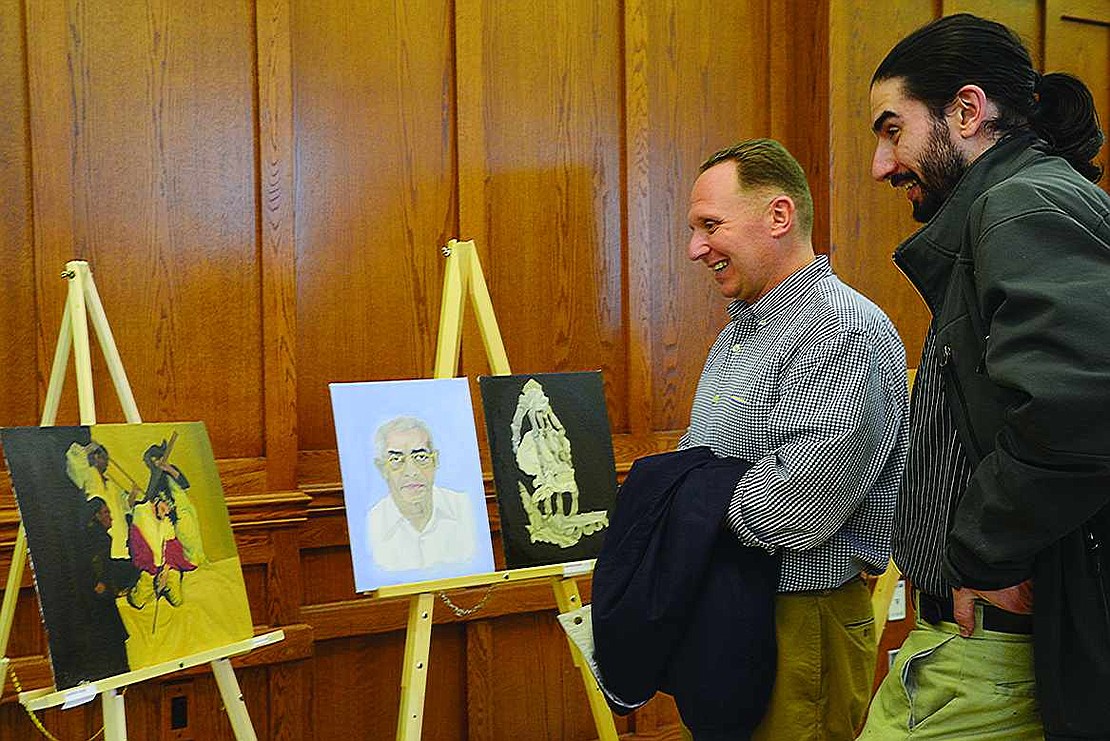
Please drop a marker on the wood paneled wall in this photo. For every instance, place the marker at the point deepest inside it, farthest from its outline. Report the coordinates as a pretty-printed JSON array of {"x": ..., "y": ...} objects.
[{"x": 262, "y": 187}]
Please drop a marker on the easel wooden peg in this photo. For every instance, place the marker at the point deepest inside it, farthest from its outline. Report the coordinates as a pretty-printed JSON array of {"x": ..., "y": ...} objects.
[{"x": 82, "y": 306}]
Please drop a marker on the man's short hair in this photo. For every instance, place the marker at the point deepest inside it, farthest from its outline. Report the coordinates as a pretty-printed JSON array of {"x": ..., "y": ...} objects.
[
  {"x": 765, "y": 163},
  {"x": 399, "y": 424}
]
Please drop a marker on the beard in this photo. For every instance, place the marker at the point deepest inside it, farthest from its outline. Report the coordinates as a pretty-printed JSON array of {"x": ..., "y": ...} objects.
[{"x": 940, "y": 168}]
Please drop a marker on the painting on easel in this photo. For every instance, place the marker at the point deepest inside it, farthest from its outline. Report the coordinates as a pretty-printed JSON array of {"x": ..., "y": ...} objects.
[
  {"x": 553, "y": 465},
  {"x": 412, "y": 481},
  {"x": 129, "y": 538}
]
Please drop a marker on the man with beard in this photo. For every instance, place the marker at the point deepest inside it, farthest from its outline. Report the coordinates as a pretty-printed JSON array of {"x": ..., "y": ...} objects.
[{"x": 1003, "y": 518}]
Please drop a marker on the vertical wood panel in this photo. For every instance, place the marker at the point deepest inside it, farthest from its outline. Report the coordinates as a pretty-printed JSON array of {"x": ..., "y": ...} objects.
[
  {"x": 143, "y": 153},
  {"x": 551, "y": 191},
  {"x": 706, "y": 91},
  {"x": 361, "y": 677},
  {"x": 639, "y": 244},
  {"x": 1077, "y": 40},
  {"x": 869, "y": 219},
  {"x": 799, "y": 97},
  {"x": 18, "y": 319},
  {"x": 373, "y": 107},
  {"x": 479, "y": 681},
  {"x": 534, "y": 671},
  {"x": 277, "y": 247},
  {"x": 1025, "y": 17}
]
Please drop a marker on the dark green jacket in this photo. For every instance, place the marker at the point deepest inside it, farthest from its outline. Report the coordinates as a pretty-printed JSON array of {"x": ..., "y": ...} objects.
[{"x": 1016, "y": 270}]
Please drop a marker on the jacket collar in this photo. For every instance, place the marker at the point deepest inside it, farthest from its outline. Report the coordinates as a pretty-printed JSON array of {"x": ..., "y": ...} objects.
[{"x": 928, "y": 255}]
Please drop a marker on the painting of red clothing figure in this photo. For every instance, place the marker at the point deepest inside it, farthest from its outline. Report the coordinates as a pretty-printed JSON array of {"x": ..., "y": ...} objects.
[{"x": 129, "y": 538}]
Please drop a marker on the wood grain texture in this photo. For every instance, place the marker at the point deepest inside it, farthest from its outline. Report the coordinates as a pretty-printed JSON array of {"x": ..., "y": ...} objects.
[
  {"x": 1077, "y": 40},
  {"x": 143, "y": 151},
  {"x": 798, "y": 49},
  {"x": 375, "y": 196},
  {"x": 638, "y": 242},
  {"x": 19, "y": 403},
  {"x": 552, "y": 252},
  {"x": 869, "y": 219},
  {"x": 277, "y": 246},
  {"x": 1025, "y": 17},
  {"x": 702, "y": 95},
  {"x": 479, "y": 681}
]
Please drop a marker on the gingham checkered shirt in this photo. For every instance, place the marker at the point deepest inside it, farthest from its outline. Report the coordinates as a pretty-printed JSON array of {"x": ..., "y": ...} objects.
[{"x": 809, "y": 385}]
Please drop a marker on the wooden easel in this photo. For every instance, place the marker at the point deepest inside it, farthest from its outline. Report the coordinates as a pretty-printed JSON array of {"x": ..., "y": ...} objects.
[
  {"x": 464, "y": 276},
  {"x": 83, "y": 304}
]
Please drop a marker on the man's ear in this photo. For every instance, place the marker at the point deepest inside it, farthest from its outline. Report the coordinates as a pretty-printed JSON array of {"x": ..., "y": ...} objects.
[
  {"x": 781, "y": 215},
  {"x": 972, "y": 110}
]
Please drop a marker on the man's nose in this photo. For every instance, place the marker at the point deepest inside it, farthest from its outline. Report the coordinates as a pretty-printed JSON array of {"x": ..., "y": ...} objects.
[
  {"x": 698, "y": 246},
  {"x": 882, "y": 163}
]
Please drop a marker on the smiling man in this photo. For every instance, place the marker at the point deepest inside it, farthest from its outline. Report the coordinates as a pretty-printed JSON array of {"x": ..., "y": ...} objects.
[
  {"x": 1003, "y": 516},
  {"x": 419, "y": 524},
  {"x": 807, "y": 382}
]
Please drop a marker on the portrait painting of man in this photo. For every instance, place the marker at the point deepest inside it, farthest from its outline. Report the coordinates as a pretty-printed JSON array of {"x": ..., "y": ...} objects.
[
  {"x": 134, "y": 560},
  {"x": 412, "y": 481}
]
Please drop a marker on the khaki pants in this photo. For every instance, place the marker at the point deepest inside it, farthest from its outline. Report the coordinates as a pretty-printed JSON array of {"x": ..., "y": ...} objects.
[
  {"x": 945, "y": 686},
  {"x": 826, "y": 665}
]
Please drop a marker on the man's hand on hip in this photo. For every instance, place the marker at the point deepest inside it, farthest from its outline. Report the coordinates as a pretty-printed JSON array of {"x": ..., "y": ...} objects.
[{"x": 1018, "y": 599}]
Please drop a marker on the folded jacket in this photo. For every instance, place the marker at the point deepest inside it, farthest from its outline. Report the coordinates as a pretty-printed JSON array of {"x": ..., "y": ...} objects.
[{"x": 678, "y": 604}]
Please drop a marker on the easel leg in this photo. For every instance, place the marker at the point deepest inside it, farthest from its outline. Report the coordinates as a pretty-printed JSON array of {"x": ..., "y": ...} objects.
[
  {"x": 108, "y": 346},
  {"x": 414, "y": 677},
  {"x": 567, "y": 598},
  {"x": 233, "y": 700},
  {"x": 11, "y": 592},
  {"x": 115, "y": 719}
]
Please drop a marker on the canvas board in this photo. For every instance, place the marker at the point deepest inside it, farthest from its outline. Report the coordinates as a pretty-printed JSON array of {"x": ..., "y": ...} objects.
[
  {"x": 130, "y": 544},
  {"x": 412, "y": 481},
  {"x": 553, "y": 466}
]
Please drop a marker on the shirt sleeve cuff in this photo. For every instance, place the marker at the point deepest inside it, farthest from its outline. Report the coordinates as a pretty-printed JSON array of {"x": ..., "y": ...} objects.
[{"x": 744, "y": 533}]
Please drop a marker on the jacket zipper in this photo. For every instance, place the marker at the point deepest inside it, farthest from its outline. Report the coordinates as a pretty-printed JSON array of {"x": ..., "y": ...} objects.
[
  {"x": 947, "y": 369},
  {"x": 1094, "y": 551}
]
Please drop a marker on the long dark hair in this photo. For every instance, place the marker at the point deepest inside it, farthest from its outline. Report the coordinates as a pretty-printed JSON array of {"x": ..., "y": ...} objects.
[{"x": 936, "y": 60}]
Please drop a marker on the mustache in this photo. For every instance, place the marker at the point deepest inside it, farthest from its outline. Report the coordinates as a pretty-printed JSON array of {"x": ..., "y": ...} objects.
[{"x": 899, "y": 179}]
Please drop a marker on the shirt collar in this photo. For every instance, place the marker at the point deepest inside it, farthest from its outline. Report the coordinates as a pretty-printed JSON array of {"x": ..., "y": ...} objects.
[
  {"x": 786, "y": 293},
  {"x": 393, "y": 518}
]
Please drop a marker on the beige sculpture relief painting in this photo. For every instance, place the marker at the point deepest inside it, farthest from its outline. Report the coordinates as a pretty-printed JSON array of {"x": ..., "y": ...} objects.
[{"x": 552, "y": 463}]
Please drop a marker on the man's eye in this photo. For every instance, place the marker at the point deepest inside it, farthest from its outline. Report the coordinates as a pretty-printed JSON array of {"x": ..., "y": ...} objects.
[
  {"x": 396, "y": 458},
  {"x": 892, "y": 133},
  {"x": 420, "y": 457},
  {"x": 711, "y": 226}
]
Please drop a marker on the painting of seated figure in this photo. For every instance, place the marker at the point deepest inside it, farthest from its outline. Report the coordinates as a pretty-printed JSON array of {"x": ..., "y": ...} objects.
[
  {"x": 412, "y": 481},
  {"x": 133, "y": 556},
  {"x": 553, "y": 468}
]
